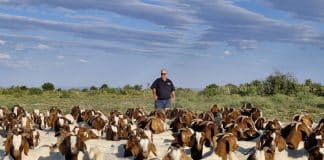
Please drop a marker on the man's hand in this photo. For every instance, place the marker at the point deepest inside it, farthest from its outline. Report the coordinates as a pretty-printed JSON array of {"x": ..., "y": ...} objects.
[
  {"x": 154, "y": 94},
  {"x": 173, "y": 99},
  {"x": 173, "y": 95}
]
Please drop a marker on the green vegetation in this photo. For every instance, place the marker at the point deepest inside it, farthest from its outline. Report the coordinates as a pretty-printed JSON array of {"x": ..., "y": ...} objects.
[
  {"x": 277, "y": 96},
  {"x": 48, "y": 86},
  {"x": 276, "y": 83}
]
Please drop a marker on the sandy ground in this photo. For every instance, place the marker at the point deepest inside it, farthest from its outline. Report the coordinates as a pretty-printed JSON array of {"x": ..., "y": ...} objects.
[{"x": 114, "y": 149}]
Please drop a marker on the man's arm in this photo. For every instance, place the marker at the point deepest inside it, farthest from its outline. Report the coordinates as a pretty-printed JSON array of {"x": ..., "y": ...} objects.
[
  {"x": 173, "y": 95},
  {"x": 153, "y": 87},
  {"x": 154, "y": 94}
]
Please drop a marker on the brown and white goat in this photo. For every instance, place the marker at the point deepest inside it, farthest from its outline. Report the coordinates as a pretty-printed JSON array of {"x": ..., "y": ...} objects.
[
  {"x": 139, "y": 147},
  {"x": 210, "y": 128},
  {"x": 26, "y": 122},
  {"x": 53, "y": 115},
  {"x": 176, "y": 124},
  {"x": 225, "y": 146},
  {"x": 18, "y": 110},
  {"x": 314, "y": 144},
  {"x": 230, "y": 115},
  {"x": 176, "y": 153},
  {"x": 61, "y": 122},
  {"x": 112, "y": 132},
  {"x": 71, "y": 146},
  {"x": 270, "y": 146},
  {"x": 183, "y": 137},
  {"x": 156, "y": 125},
  {"x": 41, "y": 121},
  {"x": 294, "y": 133},
  {"x": 135, "y": 113},
  {"x": 207, "y": 116},
  {"x": 76, "y": 113},
  {"x": 197, "y": 142},
  {"x": 139, "y": 132},
  {"x": 3, "y": 112},
  {"x": 96, "y": 122},
  {"x": 32, "y": 136},
  {"x": 16, "y": 145},
  {"x": 243, "y": 128},
  {"x": 305, "y": 118},
  {"x": 158, "y": 113},
  {"x": 85, "y": 133},
  {"x": 262, "y": 124}
]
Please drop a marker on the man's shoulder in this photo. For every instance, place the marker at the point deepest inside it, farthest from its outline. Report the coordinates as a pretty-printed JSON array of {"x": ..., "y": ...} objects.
[
  {"x": 169, "y": 80},
  {"x": 158, "y": 79}
]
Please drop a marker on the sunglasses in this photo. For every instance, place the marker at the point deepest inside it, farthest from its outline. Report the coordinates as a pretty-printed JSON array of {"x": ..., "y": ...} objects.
[{"x": 163, "y": 73}]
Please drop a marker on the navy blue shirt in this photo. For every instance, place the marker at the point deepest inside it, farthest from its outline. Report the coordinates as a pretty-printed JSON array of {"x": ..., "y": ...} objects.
[{"x": 163, "y": 88}]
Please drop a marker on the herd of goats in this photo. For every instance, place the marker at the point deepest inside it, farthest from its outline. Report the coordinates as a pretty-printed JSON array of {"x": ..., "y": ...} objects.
[{"x": 218, "y": 128}]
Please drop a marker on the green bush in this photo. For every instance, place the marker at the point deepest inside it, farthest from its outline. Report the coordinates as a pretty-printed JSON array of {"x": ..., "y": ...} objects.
[
  {"x": 65, "y": 94},
  {"x": 93, "y": 88},
  {"x": 34, "y": 91},
  {"x": 211, "y": 90},
  {"x": 279, "y": 83},
  {"x": 48, "y": 86},
  {"x": 104, "y": 87}
]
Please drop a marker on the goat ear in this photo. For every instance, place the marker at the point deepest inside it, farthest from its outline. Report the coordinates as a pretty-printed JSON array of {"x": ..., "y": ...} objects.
[
  {"x": 296, "y": 117},
  {"x": 306, "y": 131},
  {"x": 192, "y": 140},
  {"x": 148, "y": 125},
  {"x": 25, "y": 146},
  {"x": 153, "y": 148},
  {"x": 227, "y": 146},
  {"x": 82, "y": 146},
  {"x": 214, "y": 139},
  {"x": 281, "y": 143},
  {"x": 258, "y": 144},
  {"x": 8, "y": 143}
]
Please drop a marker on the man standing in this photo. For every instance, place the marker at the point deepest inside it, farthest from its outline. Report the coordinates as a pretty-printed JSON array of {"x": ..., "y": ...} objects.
[{"x": 163, "y": 90}]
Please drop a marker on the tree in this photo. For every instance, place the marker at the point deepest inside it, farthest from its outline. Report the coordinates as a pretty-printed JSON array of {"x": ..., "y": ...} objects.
[
  {"x": 231, "y": 89},
  {"x": 279, "y": 83},
  {"x": 48, "y": 86},
  {"x": 211, "y": 90},
  {"x": 308, "y": 82},
  {"x": 104, "y": 86},
  {"x": 137, "y": 87},
  {"x": 23, "y": 88},
  {"x": 93, "y": 88}
]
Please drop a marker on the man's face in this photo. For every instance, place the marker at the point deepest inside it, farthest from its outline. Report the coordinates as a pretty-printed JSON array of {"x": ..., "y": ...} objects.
[{"x": 164, "y": 74}]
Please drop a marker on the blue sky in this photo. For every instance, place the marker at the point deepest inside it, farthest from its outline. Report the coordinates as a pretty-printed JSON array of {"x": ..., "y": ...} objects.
[{"x": 118, "y": 42}]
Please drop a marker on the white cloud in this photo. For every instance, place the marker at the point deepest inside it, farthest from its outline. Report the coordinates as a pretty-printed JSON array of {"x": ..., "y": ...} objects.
[
  {"x": 83, "y": 60},
  {"x": 217, "y": 22},
  {"x": 90, "y": 31},
  {"x": 4, "y": 56},
  {"x": 159, "y": 14},
  {"x": 42, "y": 46},
  {"x": 307, "y": 10},
  {"x": 227, "y": 53},
  {"x": 60, "y": 57},
  {"x": 2, "y": 42}
]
